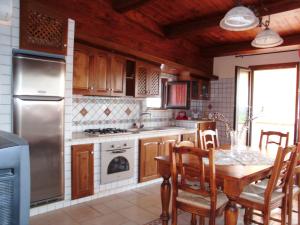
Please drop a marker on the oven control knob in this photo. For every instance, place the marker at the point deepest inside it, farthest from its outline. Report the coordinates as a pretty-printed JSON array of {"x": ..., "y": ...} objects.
[
  {"x": 112, "y": 146},
  {"x": 125, "y": 144}
]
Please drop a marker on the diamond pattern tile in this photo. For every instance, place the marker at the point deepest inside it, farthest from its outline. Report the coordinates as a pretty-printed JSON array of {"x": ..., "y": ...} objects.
[
  {"x": 83, "y": 112},
  {"x": 107, "y": 111},
  {"x": 102, "y": 112}
]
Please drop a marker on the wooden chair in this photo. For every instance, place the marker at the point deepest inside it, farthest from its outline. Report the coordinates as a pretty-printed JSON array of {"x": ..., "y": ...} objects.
[
  {"x": 203, "y": 199},
  {"x": 294, "y": 190},
  {"x": 276, "y": 134},
  {"x": 185, "y": 144},
  {"x": 275, "y": 194},
  {"x": 209, "y": 139}
]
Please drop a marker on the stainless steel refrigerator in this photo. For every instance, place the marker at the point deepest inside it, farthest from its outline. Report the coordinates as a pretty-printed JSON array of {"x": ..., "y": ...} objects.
[{"x": 38, "y": 117}]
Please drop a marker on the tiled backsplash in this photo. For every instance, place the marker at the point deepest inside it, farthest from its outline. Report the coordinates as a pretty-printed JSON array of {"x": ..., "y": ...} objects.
[
  {"x": 222, "y": 101},
  {"x": 102, "y": 112}
]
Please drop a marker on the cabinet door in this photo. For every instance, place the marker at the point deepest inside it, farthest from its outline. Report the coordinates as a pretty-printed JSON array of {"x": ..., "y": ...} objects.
[
  {"x": 153, "y": 81},
  {"x": 195, "y": 90},
  {"x": 165, "y": 146},
  {"x": 82, "y": 171},
  {"x": 100, "y": 74},
  {"x": 117, "y": 76},
  {"x": 204, "y": 89},
  {"x": 141, "y": 80},
  {"x": 81, "y": 74},
  {"x": 42, "y": 29},
  {"x": 149, "y": 149}
]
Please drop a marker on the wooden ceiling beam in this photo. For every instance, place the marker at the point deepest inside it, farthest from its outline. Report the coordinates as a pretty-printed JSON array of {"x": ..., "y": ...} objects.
[
  {"x": 123, "y": 6},
  {"x": 183, "y": 28},
  {"x": 291, "y": 42}
]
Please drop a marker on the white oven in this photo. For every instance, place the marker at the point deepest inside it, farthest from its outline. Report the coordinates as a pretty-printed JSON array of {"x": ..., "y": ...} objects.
[{"x": 117, "y": 161}]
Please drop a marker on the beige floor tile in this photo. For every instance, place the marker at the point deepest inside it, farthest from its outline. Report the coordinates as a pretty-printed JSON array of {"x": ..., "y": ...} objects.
[
  {"x": 118, "y": 204},
  {"x": 102, "y": 200},
  {"x": 108, "y": 219},
  {"x": 154, "y": 209},
  {"x": 57, "y": 217},
  {"x": 82, "y": 212},
  {"x": 146, "y": 200},
  {"x": 103, "y": 209},
  {"x": 138, "y": 215}
]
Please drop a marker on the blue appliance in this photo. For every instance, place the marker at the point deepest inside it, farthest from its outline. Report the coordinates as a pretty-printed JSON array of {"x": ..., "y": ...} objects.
[{"x": 14, "y": 180}]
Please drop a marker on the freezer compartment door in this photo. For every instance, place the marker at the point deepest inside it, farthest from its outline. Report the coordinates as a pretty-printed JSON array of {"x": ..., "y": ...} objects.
[
  {"x": 38, "y": 76},
  {"x": 41, "y": 123}
]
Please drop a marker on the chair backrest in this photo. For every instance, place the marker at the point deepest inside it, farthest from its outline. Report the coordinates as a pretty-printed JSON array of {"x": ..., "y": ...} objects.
[
  {"x": 283, "y": 170},
  {"x": 191, "y": 159},
  {"x": 274, "y": 134},
  {"x": 209, "y": 139},
  {"x": 185, "y": 144}
]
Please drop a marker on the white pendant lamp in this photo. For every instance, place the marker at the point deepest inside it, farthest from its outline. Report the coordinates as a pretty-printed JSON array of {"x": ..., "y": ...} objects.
[
  {"x": 5, "y": 12},
  {"x": 267, "y": 38},
  {"x": 239, "y": 18}
]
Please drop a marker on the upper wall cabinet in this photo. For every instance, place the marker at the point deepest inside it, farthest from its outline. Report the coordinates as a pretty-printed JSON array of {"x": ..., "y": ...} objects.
[
  {"x": 97, "y": 72},
  {"x": 200, "y": 89},
  {"x": 41, "y": 29},
  {"x": 147, "y": 80}
]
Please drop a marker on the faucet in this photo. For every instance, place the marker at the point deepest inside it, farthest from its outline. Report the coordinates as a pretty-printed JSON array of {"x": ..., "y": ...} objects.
[{"x": 141, "y": 125}]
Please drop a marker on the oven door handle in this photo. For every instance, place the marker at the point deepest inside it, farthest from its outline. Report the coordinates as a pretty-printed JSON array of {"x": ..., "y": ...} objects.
[{"x": 118, "y": 151}]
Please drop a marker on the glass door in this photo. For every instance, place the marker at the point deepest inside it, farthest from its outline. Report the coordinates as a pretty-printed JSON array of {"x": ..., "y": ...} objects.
[
  {"x": 267, "y": 96},
  {"x": 274, "y": 93},
  {"x": 242, "y": 100}
]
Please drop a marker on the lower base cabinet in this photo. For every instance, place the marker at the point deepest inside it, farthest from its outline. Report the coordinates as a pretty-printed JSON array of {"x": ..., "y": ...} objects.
[
  {"x": 149, "y": 149},
  {"x": 82, "y": 170}
]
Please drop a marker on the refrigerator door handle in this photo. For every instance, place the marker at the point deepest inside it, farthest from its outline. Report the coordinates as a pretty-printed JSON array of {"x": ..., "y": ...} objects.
[{"x": 38, "y": 98}]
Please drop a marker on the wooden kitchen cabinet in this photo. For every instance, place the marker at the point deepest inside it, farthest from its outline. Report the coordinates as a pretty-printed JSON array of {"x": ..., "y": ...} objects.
[
  {"x": 200, "y": 89},
  {"x": 165, "y": 144},
  {"x": 149, "y": 149},
  {"x": 147, "y": 80},
  {"x": 118, "y": 79},
  {"x": 42, "y": 29},
  {"x": 82, "y": 170},
  {"x": 97, "y": 72},
  {"x": 81, "y": 71}
]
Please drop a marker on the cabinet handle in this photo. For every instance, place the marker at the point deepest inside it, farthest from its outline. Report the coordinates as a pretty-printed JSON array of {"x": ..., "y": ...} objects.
[
  {"x": 92, "y": 87},
  {"x": 92, "y": 153},
  {"x": 65, "y": 45}
]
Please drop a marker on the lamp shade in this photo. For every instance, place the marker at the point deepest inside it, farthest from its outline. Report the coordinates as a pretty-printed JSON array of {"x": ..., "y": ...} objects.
[
  {"x": 5, "y": 12},
  {"x": 238, "y": 19},
  {"x": 267, "y": 39}
]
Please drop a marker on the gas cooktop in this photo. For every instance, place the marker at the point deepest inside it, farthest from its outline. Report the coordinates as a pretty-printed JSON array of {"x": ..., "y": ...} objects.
[{"x": 104, "y": 131}]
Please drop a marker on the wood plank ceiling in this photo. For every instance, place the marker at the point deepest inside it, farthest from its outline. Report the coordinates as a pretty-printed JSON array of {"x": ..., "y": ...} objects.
[
  {"x": 197, "y": 22},
  {"x": 179, "y": 33}
]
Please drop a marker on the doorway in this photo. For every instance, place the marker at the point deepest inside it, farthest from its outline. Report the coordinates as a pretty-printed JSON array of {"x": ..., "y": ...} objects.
[{"x": 268, "y": 94}]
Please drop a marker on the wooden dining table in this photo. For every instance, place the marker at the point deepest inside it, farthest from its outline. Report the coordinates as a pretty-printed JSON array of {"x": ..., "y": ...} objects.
[{"x": 232, "y": 179}]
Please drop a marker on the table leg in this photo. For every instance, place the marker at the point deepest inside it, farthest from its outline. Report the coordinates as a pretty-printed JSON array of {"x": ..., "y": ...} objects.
[
  {"x": 231, "y": 213},
  {"x": 165, "y": 191}
]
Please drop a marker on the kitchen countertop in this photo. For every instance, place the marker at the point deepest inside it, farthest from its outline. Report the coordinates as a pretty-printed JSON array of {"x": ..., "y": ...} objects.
[{"x": 83, "y": 138}]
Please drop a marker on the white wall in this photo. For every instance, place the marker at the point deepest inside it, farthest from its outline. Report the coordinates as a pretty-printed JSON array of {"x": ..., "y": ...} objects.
[
  {"x": 9, "y": 39},
  {"x": 224, "y": 67}
]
